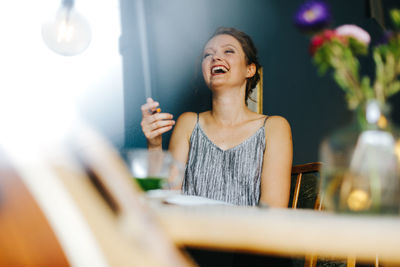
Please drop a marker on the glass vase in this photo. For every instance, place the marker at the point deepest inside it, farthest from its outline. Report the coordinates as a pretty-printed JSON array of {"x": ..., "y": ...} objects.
[{"x": 360, "y": 172}]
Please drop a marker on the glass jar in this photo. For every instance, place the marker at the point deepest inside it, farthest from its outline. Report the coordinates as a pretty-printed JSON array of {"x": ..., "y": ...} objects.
[{"x": 361, "y": 164}]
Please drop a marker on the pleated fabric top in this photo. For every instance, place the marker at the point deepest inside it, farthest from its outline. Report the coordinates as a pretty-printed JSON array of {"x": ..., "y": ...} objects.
[{"x": 232, "y": 175}]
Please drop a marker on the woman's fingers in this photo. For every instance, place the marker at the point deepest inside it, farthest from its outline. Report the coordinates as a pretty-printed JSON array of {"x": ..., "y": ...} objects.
[
  {"x": 159, "y": 117},
  {"x": 156, "y": 129},
  {"x": 150, "y": 124},
  {"x": 149, "y": 108},
  {"x": 156, "y": 124},
  {"x": 161, "y": 123},
  {"x": 158, "y": 132}
]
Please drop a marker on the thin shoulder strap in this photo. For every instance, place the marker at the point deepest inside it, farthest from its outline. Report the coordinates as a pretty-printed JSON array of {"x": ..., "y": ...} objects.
[
  {"x": 197, "y": 117},
  {"x": 266, "y": 118}
]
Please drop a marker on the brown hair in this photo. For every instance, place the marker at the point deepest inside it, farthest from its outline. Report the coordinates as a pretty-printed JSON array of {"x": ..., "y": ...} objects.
[{"x": 250, "y": 52}]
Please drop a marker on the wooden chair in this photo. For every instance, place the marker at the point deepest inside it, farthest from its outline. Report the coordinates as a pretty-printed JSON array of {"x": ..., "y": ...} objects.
[
  {"x": 305, "y": 186},
  {"x": 305, "y": 193}
]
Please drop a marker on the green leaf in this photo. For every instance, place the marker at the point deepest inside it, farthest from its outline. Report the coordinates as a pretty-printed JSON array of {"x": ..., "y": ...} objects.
[
  {"x": 393, "y": 88},
  {"x": 366, "y": 87},
  {"x": 395, "y": 16},
  {"x": 357, "y": 47},
  {"x": 321, "y": 59},
  {"x": 379, "y": 67}
]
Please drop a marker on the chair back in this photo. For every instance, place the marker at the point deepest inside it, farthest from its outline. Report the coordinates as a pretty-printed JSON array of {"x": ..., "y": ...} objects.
[
  {"x": 304, "y": 190},
  {"x": 304, "y": 193}
]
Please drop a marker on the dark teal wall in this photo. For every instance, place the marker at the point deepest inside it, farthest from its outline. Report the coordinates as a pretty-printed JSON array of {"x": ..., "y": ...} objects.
[{"x": 177, "y": 31}]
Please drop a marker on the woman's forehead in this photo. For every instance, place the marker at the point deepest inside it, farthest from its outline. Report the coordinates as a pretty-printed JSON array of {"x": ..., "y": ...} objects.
[{"x": 222, "y": 40}]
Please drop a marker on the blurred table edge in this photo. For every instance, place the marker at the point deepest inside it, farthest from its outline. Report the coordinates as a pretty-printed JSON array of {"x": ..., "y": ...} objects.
[{"x": 283, "y": 232}]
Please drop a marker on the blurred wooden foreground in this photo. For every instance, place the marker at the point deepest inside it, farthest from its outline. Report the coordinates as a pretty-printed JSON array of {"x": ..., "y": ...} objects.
[
  {"x": 284, "y": 232},
  {"x": 77, "y": 206}
]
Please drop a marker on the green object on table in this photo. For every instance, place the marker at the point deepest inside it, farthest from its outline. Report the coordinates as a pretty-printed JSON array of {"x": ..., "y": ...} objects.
[{"x": 150, "y": 183}]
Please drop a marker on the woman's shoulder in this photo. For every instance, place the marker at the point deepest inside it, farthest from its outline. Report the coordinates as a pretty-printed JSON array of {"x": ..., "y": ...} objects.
[
  {"x": 188, "y": 118},
  {"x": 192, "y": 117},
  {"x": 276, "y": 125},
  {"x": 186, "y": 122},
  {"x": 277, "y": 120}
]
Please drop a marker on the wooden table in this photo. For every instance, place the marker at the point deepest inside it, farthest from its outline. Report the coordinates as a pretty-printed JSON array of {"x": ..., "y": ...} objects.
[{"x": 283, "y": 231}]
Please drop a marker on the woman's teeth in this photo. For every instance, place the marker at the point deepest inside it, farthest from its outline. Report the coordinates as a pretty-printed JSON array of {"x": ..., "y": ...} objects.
[{"x": 218, "y": 69}]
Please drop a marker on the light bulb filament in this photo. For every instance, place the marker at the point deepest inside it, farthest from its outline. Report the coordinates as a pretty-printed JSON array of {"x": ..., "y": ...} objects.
[{"x": 65, "y": 32}]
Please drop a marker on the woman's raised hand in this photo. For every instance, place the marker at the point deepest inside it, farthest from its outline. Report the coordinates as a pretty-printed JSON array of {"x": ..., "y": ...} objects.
[{"x": 154, "y": 123}]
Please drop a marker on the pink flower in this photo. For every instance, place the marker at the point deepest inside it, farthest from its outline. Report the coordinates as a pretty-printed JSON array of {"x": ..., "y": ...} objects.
[
  {"x": 319, "y": 40},
  {"x": 316, "y": 42},
  {"x": 350, "y": 30}
]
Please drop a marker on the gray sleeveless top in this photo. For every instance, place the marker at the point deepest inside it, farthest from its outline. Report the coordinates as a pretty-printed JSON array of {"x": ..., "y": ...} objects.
[{"x": 232, "y": 175}]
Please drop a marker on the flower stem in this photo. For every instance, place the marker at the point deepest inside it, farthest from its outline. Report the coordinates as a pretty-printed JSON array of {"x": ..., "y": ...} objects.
[{"x": 347, "y": 79}]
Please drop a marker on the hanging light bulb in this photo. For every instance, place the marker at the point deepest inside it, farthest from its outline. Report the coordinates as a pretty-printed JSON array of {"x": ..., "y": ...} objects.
[{"x": 68, "y": 33}]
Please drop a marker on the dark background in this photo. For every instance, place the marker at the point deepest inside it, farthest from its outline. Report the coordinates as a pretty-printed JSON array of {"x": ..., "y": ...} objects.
[{"x": 177, "y": 31}]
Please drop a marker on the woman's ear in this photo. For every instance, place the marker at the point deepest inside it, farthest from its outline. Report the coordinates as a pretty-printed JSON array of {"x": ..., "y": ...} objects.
[{"x": 251, "y": 70}]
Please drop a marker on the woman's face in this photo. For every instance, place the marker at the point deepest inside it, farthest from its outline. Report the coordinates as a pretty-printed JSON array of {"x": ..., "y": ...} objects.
[{"x": 224, "y": 63}]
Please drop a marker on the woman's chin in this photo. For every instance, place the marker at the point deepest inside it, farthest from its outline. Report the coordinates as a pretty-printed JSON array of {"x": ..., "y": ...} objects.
[
  {"x": 221, "y": 85},
  {"x": 217, "y": 83}
]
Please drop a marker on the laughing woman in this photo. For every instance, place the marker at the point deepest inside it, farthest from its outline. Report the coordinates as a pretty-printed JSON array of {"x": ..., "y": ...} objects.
[{"x": 231, "y": 153}]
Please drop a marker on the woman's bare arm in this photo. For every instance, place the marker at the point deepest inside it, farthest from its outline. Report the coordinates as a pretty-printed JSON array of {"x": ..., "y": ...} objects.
[
  {"x": 180, "y": 138},
  {"x": 277, "y": 165},
  {"x": 179, "y": 142}
]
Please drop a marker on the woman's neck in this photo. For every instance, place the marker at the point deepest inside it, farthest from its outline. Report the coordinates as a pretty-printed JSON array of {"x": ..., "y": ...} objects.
[{"x": 229, "y": 107}]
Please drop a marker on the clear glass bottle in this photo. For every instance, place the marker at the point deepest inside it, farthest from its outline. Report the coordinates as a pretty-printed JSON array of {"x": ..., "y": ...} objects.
[{"x": 361, "y": 164}]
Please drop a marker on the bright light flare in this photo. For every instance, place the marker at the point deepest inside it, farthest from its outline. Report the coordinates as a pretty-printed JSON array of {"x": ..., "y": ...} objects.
[
  {"x": 65, "y": 32},
  {"x": 42, "y": 93}
]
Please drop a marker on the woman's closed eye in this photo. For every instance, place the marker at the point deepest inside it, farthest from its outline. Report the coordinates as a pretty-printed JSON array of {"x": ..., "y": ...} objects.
[
  {"x": 206, "y": 55},
  {"x": 229, "y": 51}
]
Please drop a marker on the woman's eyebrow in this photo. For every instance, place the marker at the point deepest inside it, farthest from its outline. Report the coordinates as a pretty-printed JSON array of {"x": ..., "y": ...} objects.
[
  {"x": 223, "y": 46},
  {"x": 208, "y": 48},
  {"x": 230, "y": 45}
]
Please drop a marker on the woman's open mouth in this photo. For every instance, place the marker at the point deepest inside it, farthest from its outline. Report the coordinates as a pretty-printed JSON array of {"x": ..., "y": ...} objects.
[{"x": 219, "y": 69}]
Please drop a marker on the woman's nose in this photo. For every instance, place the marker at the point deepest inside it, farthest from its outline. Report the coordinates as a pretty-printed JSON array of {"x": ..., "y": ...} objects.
[{"x": 216, "y": 57}]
